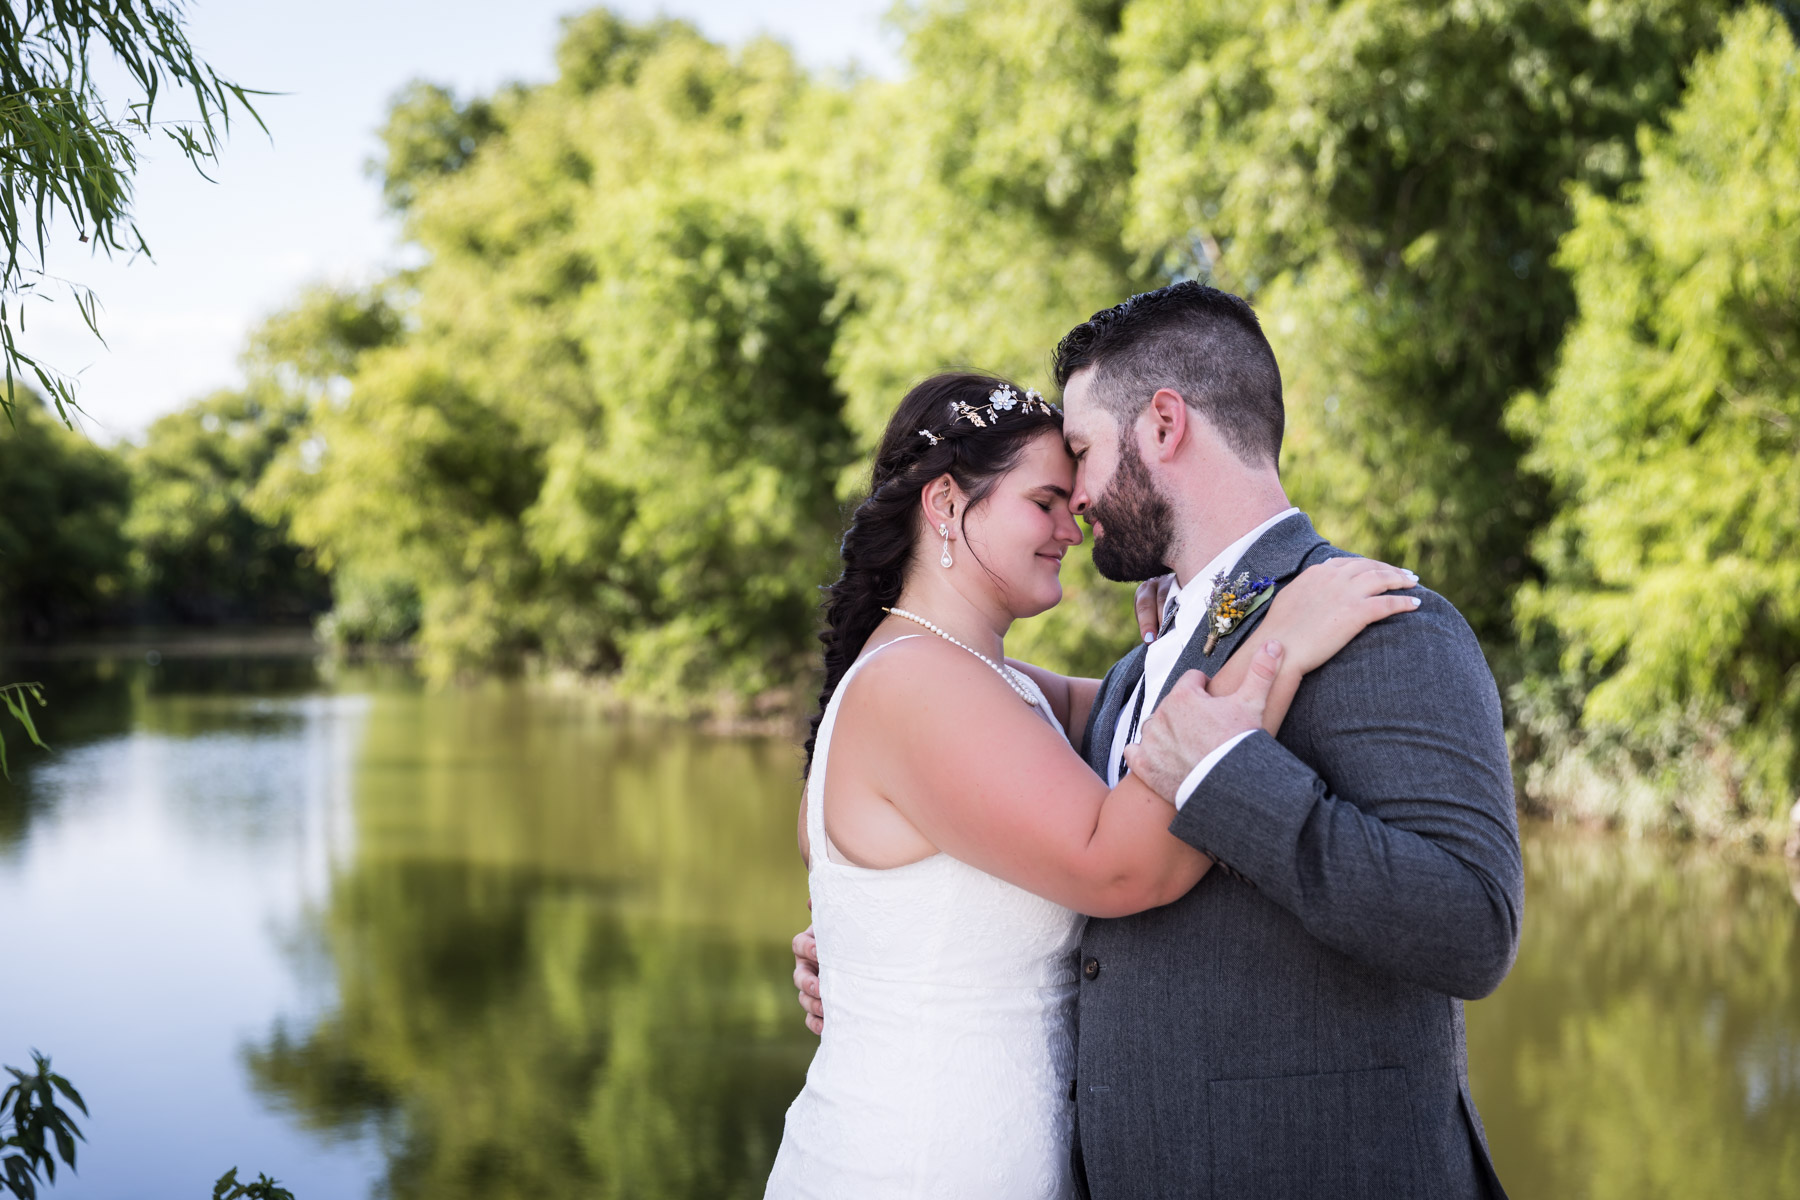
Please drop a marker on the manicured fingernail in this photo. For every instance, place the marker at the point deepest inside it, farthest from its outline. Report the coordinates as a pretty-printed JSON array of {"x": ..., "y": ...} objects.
[
  {"x": 1412, "y": 574},
  {"x": 1415, "y": 601},
  {"x": 1148, "y": 638},
  {"x": 1272, "y": 647}
]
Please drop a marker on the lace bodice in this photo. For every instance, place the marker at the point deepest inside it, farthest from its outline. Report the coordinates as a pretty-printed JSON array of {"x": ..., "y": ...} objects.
[{"x": 948, "y": 1051}]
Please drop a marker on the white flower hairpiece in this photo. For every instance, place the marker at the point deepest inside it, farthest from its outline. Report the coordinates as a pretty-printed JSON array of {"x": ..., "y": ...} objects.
[{"x": 1002, "y": 399}]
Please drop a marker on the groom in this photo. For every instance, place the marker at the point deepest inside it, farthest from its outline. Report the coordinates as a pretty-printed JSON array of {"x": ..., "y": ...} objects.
[{"x": 1292, "y": 1026}]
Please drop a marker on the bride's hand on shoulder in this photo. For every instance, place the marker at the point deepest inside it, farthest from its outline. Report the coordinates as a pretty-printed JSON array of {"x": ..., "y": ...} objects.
[
  {"x": 1329, "y": 603},
  {"x": 1152, "y": 598}
]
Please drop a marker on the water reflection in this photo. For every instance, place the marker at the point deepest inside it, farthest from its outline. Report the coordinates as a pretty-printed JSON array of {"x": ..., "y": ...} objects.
[
  {"x": 1648, "y": 1042},
  {"x": 495, "y": 943},
  {"x": 558, "y": 946}
]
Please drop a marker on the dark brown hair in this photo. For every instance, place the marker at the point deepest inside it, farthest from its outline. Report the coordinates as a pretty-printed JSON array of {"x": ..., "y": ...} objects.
[
  {"x": 1200, "y": 341},
  {"x": 878, "y": 547}
]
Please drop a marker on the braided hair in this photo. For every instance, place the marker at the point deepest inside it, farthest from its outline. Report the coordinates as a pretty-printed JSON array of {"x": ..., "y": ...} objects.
[{"x": 926, "y": 438}]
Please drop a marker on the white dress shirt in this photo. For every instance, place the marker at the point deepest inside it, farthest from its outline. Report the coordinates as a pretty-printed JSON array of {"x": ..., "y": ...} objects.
[{"x": 1160, "y": 658}]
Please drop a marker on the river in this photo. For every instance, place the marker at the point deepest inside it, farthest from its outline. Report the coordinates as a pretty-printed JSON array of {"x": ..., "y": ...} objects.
[{"x": 490, "y": 942}]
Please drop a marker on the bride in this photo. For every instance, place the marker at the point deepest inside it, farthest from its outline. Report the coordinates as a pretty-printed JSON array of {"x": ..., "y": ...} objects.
[{"x": 954, "y": 837}]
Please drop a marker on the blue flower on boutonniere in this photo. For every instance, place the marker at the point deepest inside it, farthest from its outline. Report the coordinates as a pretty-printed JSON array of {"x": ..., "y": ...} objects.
[{"x": 1232, "y": 600}]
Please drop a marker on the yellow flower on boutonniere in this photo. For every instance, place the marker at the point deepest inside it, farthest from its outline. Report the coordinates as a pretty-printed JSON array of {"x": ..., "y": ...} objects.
[{"x": 1232, "y": 600}]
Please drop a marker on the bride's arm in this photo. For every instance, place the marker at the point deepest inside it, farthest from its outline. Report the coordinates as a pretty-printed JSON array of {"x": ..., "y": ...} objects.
[
  {"x": 1071, "y": 696},
  {"x": 986, "y": 780},
  {"x": 1313, "y": 618}
]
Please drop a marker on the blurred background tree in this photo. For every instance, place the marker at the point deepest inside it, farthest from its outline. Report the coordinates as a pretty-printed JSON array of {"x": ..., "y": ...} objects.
[
  {"x": 63, "y": 552},
  {"x": 1671, "y": 434},
  {"x": 1387, "y": 183},
  {"x": 666, "y": 300},
  {"x": 198, "y": 554}
]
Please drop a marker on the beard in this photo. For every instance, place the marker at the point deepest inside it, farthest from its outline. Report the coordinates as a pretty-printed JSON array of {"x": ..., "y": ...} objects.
[{"x": 1137, "y": 523}]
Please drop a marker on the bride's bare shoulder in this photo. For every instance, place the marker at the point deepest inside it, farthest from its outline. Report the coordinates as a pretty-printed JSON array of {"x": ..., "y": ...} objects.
[
  {"x": 899, "y": 665},
  {"x": 931, "y": 689}
]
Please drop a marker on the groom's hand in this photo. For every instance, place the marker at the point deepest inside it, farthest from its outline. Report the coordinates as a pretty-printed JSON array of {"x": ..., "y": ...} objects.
[
  {"x": 1191, "y": 722},
  {"x": 806, "y": 979}
]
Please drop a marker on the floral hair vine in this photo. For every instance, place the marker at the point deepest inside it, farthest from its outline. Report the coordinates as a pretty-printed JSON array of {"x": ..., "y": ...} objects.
[{"x": 1002, "y": 399}]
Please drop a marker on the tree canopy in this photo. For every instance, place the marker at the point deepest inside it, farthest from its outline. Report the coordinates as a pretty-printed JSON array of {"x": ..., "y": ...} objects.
[
  {"x": 1671, "y": 433},
  {"x": 666, "y": 300}
]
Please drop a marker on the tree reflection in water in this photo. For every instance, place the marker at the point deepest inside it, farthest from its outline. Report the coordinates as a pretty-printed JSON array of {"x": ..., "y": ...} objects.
[
  {"x": 1648, "y": 1041},
  {"x": 560, "y": 954},
  {"x": 559, "y": 946}
]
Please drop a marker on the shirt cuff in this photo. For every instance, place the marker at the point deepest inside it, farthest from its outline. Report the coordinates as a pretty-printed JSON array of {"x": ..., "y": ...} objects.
[{"x": 1198, "y": 775}]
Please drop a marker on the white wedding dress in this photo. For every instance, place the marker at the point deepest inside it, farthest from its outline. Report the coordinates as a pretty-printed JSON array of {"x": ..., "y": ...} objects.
[{"x": 948, "y": 1055}]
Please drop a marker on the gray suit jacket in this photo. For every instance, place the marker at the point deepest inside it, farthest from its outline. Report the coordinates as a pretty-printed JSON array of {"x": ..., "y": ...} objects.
[{"x": 1291, "y": 1027}]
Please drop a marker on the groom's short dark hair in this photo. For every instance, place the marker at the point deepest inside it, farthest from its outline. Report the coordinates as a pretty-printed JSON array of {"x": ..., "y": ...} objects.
[{"x": 1200, "y": 341}]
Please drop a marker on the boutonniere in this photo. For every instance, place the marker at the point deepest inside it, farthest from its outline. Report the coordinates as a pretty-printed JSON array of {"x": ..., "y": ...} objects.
[{"x": 1232, "y": 600}]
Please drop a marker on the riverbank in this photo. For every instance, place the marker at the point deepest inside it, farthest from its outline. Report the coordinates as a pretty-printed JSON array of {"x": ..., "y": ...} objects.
[{"x": 1559, "y": 780}]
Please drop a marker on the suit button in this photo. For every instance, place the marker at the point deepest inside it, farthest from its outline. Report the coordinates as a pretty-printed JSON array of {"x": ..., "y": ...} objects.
[{"x": 1091, "y": 968}]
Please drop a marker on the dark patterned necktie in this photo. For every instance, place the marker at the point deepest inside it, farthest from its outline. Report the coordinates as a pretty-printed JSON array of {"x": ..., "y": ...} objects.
[
  {"x": 1137, "y": 710},
  {"x": 1169, "y": 617}
]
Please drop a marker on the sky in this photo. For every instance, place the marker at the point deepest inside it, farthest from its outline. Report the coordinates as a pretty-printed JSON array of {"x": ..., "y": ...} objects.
[{"x": 297, "y": 206}]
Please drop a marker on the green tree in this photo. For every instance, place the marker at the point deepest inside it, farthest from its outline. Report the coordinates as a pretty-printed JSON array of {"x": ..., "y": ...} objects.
[
  {"x": 1669, "y": 434},
  {"x": 428, "y": 135},
  {"x": 62, "y": 504},
  {"x": 721, "y": 443},
  {"x": 1388, "y": 181},
  {"x": 666, "y": 293},
  {"x": 607, "y": 436},
  {"x": 198, "y": 553},
  {"x": 63, "y": 558}
]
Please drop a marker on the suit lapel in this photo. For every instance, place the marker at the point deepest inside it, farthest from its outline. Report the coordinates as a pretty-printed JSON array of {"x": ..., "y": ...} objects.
[
  {"x": 1115, "y": 689},
  {"x": 1279, "y": 554}
]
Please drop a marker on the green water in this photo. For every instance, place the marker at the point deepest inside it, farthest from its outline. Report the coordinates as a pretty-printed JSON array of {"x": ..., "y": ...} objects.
[{"x": 376, "y": 940}]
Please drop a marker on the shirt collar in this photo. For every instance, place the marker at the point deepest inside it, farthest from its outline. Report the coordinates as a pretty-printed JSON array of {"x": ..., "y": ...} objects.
[{"x": 1194, "y": 595}]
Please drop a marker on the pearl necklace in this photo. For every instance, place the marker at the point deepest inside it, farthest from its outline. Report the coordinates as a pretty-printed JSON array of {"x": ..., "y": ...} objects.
[{"x": 1007, "y": 673}]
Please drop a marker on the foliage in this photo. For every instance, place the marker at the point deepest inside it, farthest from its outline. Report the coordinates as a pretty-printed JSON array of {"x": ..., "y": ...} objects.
[
  {"x": 979, "y": 203},
  {"x": 1387, "y": 181},
  {"x": 667, "y": 299},
  {"x": 198, "y": 554},
  {"x": 428, "y": 135},
  {"x": 596, "y": 243},
  {"x": 18, "y": 699},
  {"x": 33, "y": 1122},
  {"x": 262, "y": 1188},
  {"x": 607, "y": 437},
  {"x": 62, "y": 505},
  {"x": 65, "y": 156},
  {"x": 1670, "y": 435}
]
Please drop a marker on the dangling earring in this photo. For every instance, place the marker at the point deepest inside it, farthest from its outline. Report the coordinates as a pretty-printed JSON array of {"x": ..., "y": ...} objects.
[{"x": 944, "y": 559}]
